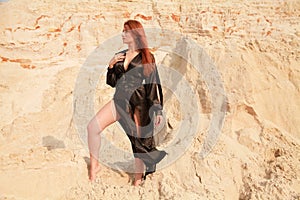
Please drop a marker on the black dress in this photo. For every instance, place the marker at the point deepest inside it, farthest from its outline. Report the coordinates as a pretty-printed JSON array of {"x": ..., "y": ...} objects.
[{"x": 143, "y": 95}]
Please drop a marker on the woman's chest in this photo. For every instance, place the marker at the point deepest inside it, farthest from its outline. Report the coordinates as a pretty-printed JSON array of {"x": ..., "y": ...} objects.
[{"x": 133, "y": 69}]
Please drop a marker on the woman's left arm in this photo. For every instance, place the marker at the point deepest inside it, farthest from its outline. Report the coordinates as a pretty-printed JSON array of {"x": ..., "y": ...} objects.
[{"x": 154, "y": 92}]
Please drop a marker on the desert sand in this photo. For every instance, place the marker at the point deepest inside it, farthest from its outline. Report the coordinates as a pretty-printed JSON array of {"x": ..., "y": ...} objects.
[{"x": 52, "y": 81}]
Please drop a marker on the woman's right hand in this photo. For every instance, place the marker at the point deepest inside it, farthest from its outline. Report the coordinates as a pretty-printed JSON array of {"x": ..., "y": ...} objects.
[{"x": 117, "y": 58}]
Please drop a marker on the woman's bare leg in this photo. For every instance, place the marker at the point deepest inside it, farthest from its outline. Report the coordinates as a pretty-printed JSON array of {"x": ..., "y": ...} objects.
[
  {"x": 105, "y": 116},
  {"x": 139, "y": 164}
]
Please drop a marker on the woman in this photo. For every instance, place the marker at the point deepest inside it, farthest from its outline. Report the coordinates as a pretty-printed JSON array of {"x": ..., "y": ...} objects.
[{"x": 138, "y": 97}]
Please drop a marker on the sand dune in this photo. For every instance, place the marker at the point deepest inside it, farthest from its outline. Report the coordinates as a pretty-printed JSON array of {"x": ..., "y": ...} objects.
[{"x": 51, "y": 65}]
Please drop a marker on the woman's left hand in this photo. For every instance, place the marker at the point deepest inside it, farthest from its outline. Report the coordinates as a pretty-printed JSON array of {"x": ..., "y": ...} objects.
[{"x": 159, "y": 120}]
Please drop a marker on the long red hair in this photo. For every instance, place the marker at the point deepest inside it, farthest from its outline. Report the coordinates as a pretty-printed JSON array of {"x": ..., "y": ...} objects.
[{"x": 138, "y": 33}]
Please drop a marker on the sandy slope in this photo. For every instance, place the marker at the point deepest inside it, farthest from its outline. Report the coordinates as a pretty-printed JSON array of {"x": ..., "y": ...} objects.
[{"x": 254, "y": 46}]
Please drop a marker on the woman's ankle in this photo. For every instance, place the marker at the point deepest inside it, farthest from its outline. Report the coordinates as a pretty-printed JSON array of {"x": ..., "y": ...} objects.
[{"x": 93, "y": 161}]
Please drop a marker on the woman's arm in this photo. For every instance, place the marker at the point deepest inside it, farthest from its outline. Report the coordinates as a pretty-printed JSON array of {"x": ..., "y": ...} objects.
[
  {"x": 154, "y": 92},
  {"x": 111, "y": 77},
  {"x": 112, "y": 74}
]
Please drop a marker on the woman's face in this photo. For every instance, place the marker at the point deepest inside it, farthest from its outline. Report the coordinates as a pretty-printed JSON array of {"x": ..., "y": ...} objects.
[{"x": 127, "y": 36}]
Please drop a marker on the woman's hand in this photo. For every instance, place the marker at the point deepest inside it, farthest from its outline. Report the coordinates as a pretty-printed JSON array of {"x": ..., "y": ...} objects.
[
  {"x": 117, "y": 58},
  {"x": 159, "y": 120}
]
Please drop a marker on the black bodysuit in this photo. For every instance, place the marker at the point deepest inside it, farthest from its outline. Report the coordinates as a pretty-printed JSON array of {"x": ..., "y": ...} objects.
[{"x": 137, "y": 93}]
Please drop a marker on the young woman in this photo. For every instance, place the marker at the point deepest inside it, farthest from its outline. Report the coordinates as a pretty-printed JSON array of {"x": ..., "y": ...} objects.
[{"x": 138, "y": 97}]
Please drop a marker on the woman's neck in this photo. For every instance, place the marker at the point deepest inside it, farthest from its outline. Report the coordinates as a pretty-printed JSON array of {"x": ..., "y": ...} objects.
[{"x": 132, "y": 48}]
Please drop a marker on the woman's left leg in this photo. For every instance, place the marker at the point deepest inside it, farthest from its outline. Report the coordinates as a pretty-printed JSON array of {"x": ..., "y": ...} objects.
[
  {"x": 105, "y": 116},
  {"x": 139, "y": 164}
]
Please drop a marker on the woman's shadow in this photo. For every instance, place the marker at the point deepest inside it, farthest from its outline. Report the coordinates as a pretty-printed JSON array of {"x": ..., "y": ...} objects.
[
  {"x": 174, "y": 67},
  {"x": 52, "y": 143}
]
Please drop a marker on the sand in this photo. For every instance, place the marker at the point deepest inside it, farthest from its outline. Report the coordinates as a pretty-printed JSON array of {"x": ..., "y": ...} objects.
[{"x": 52, "y": 63}]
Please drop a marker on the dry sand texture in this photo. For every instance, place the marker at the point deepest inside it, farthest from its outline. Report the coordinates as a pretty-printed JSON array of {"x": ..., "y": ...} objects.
[{"x": 253, "y": 44}]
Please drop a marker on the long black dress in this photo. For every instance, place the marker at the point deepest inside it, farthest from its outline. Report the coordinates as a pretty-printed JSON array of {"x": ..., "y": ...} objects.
[{"x": 138, "y": 93}]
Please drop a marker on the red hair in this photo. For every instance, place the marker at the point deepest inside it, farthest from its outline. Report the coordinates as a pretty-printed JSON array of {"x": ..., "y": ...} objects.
[{"x": 138, "y": 33}]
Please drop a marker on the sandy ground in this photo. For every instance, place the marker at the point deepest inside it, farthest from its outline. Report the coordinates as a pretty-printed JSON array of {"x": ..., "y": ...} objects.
[{"x": 52, "y": 81}]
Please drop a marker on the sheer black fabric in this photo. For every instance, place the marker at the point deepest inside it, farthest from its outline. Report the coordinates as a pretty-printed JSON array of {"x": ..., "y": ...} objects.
[{"x": 136, "y": 93}]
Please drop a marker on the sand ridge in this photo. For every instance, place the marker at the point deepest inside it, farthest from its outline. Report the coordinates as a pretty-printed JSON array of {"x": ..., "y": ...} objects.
[{"x": 253, "y": 44}]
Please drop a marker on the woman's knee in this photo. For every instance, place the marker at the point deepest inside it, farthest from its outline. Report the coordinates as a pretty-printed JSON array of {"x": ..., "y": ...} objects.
[
  {"x": 93, "y": 126},
  {"x": 105, "y": 116},
  {"x": 89, "y": 127}
]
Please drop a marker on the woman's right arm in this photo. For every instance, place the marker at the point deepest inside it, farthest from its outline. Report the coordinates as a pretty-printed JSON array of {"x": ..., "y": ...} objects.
[{"x": 112, "y": 75}]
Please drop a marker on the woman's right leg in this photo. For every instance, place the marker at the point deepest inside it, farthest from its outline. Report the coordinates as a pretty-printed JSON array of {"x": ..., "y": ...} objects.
[
  {"x": 105, "y": 116},
  {"x": 139, "y": 164}
]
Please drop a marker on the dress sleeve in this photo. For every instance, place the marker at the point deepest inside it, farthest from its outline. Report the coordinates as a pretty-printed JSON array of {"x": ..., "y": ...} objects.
[
  {"x": 114, "y": 73},
  {"x": 154, "y": 92},
  {"x": 111, "y": 77}
]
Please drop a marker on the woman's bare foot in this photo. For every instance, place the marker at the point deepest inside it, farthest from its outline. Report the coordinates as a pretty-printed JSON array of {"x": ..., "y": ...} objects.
[
  {"x": 138, "y": 180},
  {"x": 94, "y": 168},
  {"x": 139, "y": 169},
  {"x": 93, "y": 172}
]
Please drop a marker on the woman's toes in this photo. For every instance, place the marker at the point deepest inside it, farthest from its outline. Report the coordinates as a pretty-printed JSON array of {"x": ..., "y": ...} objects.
[{"x": 93, "y": 172}]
